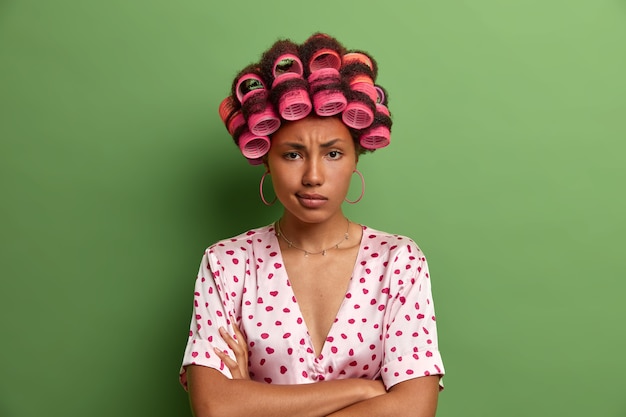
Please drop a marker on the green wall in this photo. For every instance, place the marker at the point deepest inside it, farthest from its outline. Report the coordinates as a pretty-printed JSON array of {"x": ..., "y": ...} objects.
[{"x": 507, "y": 166}]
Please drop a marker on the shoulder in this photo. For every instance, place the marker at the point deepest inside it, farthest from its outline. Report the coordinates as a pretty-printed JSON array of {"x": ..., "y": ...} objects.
[
  {"x": 391, "y": 243},
  {"x": 242, "y": 243},
  {"x": 235, "y": 257},
  {"x": 398, "y": 260}
]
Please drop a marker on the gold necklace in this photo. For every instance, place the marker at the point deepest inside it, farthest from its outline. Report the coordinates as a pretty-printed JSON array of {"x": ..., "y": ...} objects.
[{"x": 280, "y": 233}]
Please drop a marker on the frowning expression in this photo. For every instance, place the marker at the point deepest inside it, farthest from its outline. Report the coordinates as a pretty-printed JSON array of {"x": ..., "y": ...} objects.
[{"x": 311, "y": 162}]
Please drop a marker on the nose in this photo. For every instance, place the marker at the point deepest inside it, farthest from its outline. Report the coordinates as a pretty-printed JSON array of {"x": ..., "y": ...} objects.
[{"x": 313, "y": 174}]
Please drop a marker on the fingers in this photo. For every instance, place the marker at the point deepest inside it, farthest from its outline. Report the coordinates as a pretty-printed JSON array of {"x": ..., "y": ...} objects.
[
  {"x": 238, "y": 335},
  {"x": 241, "y": 353},
  {"x": 230, "y": 363},
  {"x": 232, "y": 343},
  {"x": 240, "y": 349},
  {"x": 239, "y": 365}
]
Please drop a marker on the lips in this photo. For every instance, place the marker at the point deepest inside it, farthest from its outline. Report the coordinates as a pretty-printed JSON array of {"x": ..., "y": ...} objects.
[
  {"x": 311, "y": 200},
  {"x": 312, "y": 196}
]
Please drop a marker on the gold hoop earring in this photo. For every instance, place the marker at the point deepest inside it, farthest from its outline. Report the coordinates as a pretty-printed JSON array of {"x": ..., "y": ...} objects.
[
  {"x": 261, "y": 191},
  {"x": 362, "y": 188}
]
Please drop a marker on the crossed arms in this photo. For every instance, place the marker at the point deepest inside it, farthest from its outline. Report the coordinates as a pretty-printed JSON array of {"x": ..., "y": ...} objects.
[{"x": 213, "y": 394}]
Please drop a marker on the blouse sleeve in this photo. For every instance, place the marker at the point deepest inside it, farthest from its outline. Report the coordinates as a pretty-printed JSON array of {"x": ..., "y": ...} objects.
[
  {"x": 410, "y": 340},
  {"x": 213, "y": 303}
]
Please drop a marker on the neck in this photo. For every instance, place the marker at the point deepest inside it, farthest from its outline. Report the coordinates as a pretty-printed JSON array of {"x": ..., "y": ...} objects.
[{"x": 314, "y": 237}]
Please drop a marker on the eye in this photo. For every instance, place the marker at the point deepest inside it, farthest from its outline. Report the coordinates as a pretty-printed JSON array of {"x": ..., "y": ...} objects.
[
  {"x": 334, "y": 154},
  {"x": 291, "y": 155}
]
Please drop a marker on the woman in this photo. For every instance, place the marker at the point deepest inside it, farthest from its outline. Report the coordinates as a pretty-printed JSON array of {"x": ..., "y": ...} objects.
[{"x": 313, "y": 315}]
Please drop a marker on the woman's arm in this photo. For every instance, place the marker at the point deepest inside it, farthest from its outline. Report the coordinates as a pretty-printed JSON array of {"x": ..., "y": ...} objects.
[
  {"x": 213, "y": 394},
  {"x": 412, "y": 398}
]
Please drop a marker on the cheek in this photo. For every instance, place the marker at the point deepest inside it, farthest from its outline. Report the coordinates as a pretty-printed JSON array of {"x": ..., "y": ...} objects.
[
  {"x": 283, "y": 184},
  {"x": 344, "y": 179}
]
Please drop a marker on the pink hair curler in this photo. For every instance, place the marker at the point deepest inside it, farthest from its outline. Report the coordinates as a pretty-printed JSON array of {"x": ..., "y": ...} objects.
[
  {"x": 253, "y": 146},
  {"x": 248, "y": 85},
  {"x": 357, "y": 57},
  {"x": 381, "y": 108},
  {"x": 375, "y": 138},
  {"x": 380, "y": 101},
  {"x": 329, "y": 103},
  {"x": 287, "y": 64},
  {"x": 381, "y": 95},
  {"x": 325, "y": 58},
  {"x": 357, "y": 115},
  {"x": 294, "y": 102},
  {"x": 327, "y": 100},
  {"x": 236, "y": 121},
  {"x": 263, "y": 120},
  {"x": 364, "y": 84},
  {"x": 227, "y": 109},
  {"x": 264, "y": 123},
  {"x": 231, "y": 116}
]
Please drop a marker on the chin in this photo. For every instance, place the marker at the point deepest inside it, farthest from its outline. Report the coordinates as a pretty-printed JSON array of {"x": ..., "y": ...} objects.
[{"x": 311, "y": 216}]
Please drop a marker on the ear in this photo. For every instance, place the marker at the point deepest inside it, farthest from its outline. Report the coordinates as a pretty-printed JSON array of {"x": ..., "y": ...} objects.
[{"x": 265, "y": 163}]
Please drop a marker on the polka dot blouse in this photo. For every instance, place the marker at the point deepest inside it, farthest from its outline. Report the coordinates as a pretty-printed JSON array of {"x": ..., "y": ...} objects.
[{"x": 385, "y": 327}]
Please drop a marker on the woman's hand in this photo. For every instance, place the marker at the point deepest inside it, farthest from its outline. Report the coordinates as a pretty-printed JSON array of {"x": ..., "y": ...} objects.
[{"x": 239, "y": 366}]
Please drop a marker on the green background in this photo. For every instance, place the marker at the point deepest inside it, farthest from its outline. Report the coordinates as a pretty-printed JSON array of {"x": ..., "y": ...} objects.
[{"x": 507, "y": 166}]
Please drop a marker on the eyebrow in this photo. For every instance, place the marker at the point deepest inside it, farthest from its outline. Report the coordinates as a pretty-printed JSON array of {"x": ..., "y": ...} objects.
[{"x": 301, "y": 146}]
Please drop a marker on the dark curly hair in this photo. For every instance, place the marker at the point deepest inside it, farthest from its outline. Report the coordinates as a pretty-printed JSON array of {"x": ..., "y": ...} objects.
[{"x": 292, "y": 81}]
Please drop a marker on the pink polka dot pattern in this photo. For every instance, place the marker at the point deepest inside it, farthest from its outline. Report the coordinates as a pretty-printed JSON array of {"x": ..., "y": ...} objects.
[{"x": 385, "y": 327}]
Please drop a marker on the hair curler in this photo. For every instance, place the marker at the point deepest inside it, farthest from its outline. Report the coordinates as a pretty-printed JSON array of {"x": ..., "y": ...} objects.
[
  {"x": 381, "y": 101},
  {"x": 376, "y": 137},
  {"x": 364, "y": 84},
  {"x": 359, "y": 113},
  {"x": 357, "y": 57},
  {"x": 382, "y": 95},
  {"x": 326, "y": 89},
  {"x": 253, "y": 146},
  {"x": 231, "y": 115},
  {"x": 236, "y": 123},
  {"x": 227, "y": 109},
  {"x": 324, "y": 58},
  {"x": 259, "y": 113},
  {"x": 287, "y": 64},
  {"x": 321, "y": 51},
  {"x": 362, "y": 96},
  {"x": 293, "y": 101}
]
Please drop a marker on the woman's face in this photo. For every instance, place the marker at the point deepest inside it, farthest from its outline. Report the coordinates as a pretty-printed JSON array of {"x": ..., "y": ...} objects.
[{"x": 311, "y": 162}]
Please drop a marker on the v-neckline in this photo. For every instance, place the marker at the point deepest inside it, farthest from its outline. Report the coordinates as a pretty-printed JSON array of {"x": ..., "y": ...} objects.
[{"x": 357, "y": 264}]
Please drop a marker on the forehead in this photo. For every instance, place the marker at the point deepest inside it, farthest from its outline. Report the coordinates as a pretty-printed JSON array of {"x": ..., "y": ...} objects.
[{"x": 312, "y": 130}]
